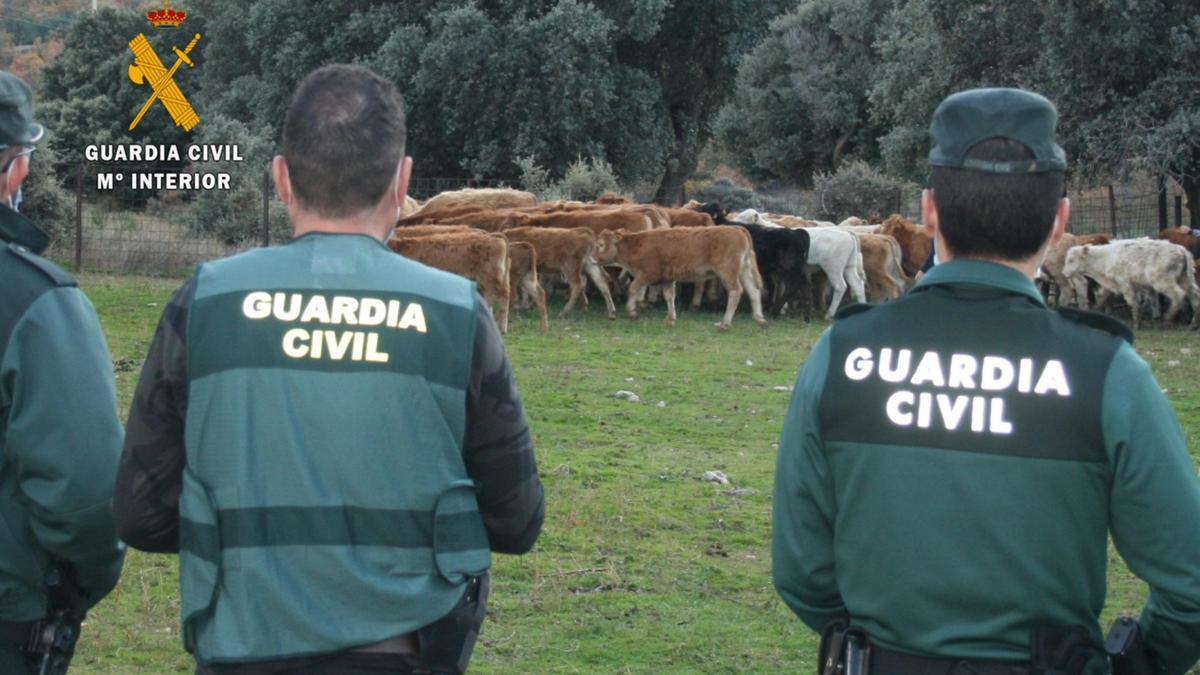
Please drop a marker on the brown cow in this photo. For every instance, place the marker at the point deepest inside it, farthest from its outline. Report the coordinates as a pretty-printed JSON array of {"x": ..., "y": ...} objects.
[
  {"x": 1056, "y": 257},
  {"x": 630, "y": 220},
  {"x": 523, "y": 274},
  {"x": 492, "y": 198},
  {"x": 686, "y": 254},
  {"x": 688, "y": 218},
  {"x": 478, "y": 256},
  {"x": 570, "y": 253},
  {"x": 1182, "y": 236},
  {"x": 611, "y": 198},
  {"x": 915, "y": 243},
  {"x": 522, "y": 264},
  {"x": 881, "y": 262}
]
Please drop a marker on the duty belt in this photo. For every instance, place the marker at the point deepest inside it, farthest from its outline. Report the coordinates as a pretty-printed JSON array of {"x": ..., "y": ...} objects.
[
  {"x": 896, "y": 663},
  {"x": 847, "y": 650},
  {"x": 24, "y": 635}
]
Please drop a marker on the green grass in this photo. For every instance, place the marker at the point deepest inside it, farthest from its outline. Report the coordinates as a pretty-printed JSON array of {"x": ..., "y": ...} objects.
[{"x": 641, "y": 566}]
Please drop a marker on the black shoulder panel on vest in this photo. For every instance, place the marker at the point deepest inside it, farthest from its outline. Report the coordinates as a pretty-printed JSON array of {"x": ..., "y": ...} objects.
[
  {"x": 851, "y": 310},
  {"x": 1098, "y": 321},
  {"x": 57, "y": 275}
]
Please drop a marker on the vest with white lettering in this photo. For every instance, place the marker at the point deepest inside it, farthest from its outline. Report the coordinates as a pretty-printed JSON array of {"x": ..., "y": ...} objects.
[
  {"x": 325, "y": 502},
  {"x": 963, "y": 432}
]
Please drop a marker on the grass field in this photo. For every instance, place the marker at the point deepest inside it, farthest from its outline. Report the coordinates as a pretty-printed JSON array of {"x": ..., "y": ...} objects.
[{"x": 641, "y": 566}]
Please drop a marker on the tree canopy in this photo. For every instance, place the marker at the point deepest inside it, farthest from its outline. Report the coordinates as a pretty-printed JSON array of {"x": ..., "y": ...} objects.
[{"x": 838, "y": 79}]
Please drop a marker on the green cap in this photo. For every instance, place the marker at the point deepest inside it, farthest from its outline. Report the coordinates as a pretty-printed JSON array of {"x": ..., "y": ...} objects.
[
  {"x": 975, "y": 115},
  {"x": 16, "y": 113}
]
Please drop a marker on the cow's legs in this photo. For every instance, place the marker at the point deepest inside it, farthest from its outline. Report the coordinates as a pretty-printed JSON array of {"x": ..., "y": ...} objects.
[
  {"x": 733, "y": 287},
  {"x": 669, "y": 295},
  {"x": 598, "y": 277},
  {"x": 855, "y": 282},
  {"x": 698, "y": 293},
  {"x": 636, "y": 287},
  {"x": 746, "y": 274},
  {"x": 1127, "y": 291},
  {"x": 1177, "y": 296},
  {"x": 575, "y": 280},
  {"x": 837, "y": 282},
  {"x": 531, "y": 288}
]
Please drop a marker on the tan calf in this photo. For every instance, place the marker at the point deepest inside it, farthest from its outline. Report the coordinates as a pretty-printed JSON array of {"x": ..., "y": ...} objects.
[
  {"x": 686, "y": 254},
  {"x": 478, "y": 256},
  {"x": 570, "y": 253}
]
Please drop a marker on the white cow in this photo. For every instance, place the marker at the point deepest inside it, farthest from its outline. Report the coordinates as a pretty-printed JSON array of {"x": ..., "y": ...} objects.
[
  {"x": 1125, "y": 266},
  {"x": 752, "y": 217},
  {"x": 836, "y": 252}
]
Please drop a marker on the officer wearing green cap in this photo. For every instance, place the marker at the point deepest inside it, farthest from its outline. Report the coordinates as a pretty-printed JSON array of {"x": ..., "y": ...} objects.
[
  {"x": 60, "y": 438},
  {"x": 953, "y": 462},
  {"x": 327, "y": 433}
]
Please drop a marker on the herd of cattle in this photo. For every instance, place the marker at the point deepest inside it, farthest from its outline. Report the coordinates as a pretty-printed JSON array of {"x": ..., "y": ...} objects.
[{"x": 510, "y": 245}]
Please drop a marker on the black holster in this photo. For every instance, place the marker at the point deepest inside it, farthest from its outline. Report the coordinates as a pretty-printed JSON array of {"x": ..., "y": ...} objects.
[
  {"x": 445, "y": 645},
  {"x": 845, "y": 650},
  {"x": 1127, "y": 652},
  {"x": 1060, "y": 650}
]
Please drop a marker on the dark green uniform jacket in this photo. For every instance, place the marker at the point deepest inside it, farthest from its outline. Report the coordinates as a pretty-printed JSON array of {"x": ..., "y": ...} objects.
[
  {"x": 309, "y": 434},
  {"x": 953, "y": 462},
  {"x": 60, "y": 438}
]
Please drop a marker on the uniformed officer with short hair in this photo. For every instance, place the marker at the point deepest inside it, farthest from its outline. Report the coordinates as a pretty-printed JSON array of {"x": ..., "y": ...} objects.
[
  {"x": 953, "y": 462},
  {"x": 60, "y": 437},
  {"x": 327, "y": 433}
]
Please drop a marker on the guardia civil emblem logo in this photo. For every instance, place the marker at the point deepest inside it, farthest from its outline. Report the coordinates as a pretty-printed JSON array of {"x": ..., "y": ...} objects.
[{"x": 148, "y": 69}]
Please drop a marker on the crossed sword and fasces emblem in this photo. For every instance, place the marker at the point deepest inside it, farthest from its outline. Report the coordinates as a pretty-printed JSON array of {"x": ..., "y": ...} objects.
[{"x": 150, "y": 69}]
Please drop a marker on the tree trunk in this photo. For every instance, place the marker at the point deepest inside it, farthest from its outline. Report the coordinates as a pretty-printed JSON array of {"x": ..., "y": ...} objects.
[
  {"x": 1191, "y": 188},
  {"x": 682, "y": 162},
  {"x": 840, "y": 147}
]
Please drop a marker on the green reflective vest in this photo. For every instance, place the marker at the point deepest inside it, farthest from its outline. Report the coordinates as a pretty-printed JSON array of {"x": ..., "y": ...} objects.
[{"x": 325, "y": 502}]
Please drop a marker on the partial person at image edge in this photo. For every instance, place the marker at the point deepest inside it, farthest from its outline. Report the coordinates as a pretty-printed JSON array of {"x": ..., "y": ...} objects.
[
  {"x": 333, "y": 480},
  {"x": 60, "y": 437},
  {"x": 953, "y": 462}
]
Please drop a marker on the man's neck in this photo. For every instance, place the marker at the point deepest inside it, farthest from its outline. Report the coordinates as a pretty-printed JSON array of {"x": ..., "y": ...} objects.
[
  {"x": 1028, "y": 267},
  {"x": 308, "y": 223}
]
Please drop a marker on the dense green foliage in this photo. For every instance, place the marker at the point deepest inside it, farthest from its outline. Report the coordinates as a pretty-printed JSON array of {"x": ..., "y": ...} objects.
[{"x": 859, "y": 79}]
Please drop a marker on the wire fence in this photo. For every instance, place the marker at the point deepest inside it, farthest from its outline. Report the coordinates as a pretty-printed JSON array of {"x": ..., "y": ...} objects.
[{"x": 168, "y": 232}]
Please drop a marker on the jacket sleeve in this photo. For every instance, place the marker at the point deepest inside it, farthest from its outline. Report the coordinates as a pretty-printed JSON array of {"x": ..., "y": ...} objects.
[
  {"x": 1154, "y": 508},
  {"x": 497, "y": 447},
  {"x": 64, "y": 436},
  {"x": 150, "y": 477},
  {"x": 802, "y": 560}
]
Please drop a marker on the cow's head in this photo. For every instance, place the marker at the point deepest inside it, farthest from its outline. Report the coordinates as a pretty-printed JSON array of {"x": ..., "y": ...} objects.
[
  {"x": 606, "y": 246},
  {"x": 1077, "y": 257}
]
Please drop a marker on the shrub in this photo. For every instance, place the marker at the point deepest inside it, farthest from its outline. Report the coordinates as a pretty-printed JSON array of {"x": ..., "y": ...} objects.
[
  {"x": 234, "y": 216},
  {"x": 858, "y": 189},
  {"x": 585, "y": 180},
  {"x": 44, "y": 200}
]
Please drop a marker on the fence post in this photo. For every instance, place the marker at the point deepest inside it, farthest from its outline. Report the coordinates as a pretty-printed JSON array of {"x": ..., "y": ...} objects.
[
  {"x": 1178, "y": 211},
  {"x": 266, "y": 192},
  {"x": 79, "y": 216},
  {"x": 1162, "y": 203},
  {"x": 1112, "y": 210}
]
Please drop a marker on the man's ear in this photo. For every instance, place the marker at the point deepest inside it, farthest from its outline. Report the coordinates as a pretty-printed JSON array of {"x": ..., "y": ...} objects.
[
  {"x": 1060, "y": 220},
  {"x": 17, "y": 171},
  {"x": 929, "y": 214},
  {"x": 282, "y": 180},
  {"x": 400, "y": 180}
]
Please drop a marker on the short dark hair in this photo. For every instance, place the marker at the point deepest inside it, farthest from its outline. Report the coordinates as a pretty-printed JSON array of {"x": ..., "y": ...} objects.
[
  {"x": 342, "y": 139},
  {"x": 995, "y": 215}
]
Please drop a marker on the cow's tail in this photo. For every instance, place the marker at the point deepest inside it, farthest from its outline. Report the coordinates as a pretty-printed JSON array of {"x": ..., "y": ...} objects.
[
  {"x": 897, "y": 270},
  {"x": 858, "y": 261},
  {"x": 750, "y": 258}
]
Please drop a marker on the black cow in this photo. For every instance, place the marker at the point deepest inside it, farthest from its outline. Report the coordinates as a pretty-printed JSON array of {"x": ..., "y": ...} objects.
[{"x": 782, "y": 255}]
